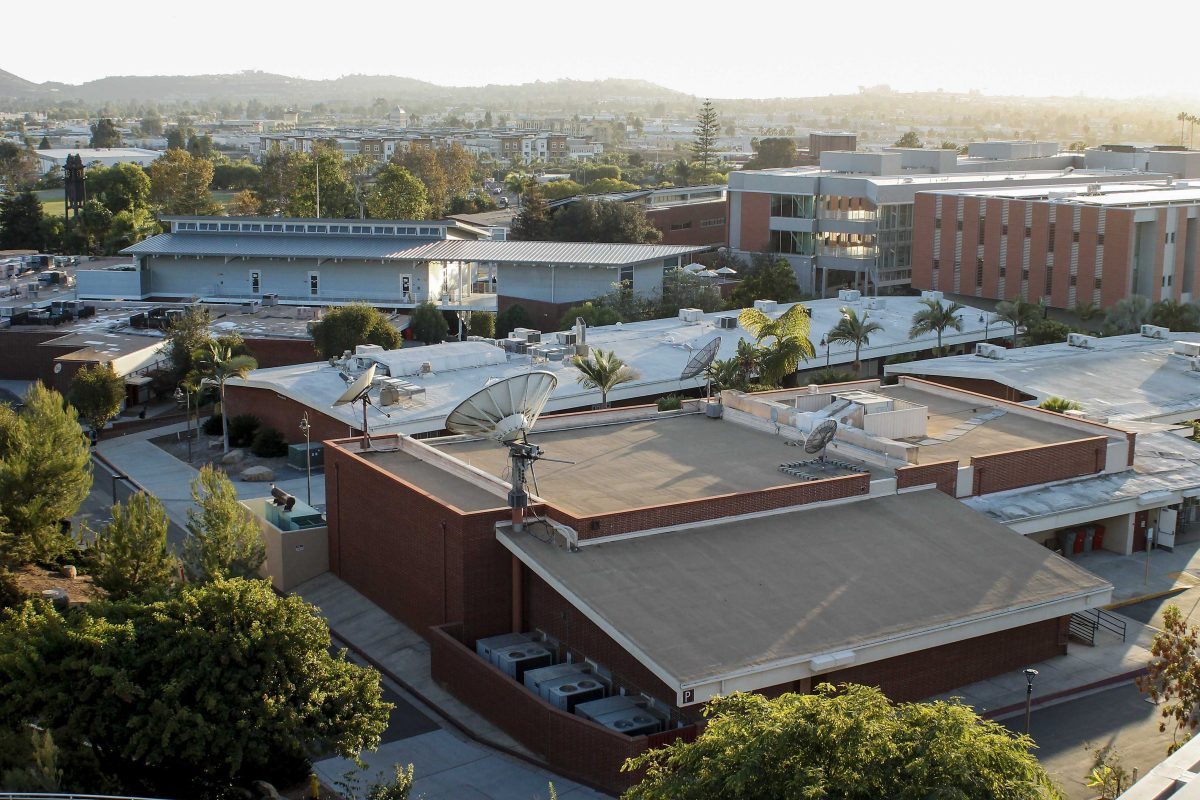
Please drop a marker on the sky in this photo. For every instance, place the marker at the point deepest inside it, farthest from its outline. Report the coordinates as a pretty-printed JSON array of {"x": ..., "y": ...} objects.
[{"x": 709, "y": 49}]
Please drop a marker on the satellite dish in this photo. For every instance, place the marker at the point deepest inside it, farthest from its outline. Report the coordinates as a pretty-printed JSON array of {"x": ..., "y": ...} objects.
[
  {"x": 355, "y": 391},
  {"x": 820, "y": 437},
  {"x": 505, "y": 410},
  {"x": 701, "y": 359}
]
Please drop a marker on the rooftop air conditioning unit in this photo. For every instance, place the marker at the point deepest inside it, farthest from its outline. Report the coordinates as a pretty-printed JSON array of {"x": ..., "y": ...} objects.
[
  {"x": 595, "y": 709},
  {"x": 993, "y": 351},
  {"x": 1080, "y": 340},
  {"x": 875, "y": 303},
  {"x": 513, "y": 661},
  {"x": 486, "y": 648},
  {"x": 690, "y": 314},
  {"x": 1155, "y": 332},
  {"x": 565, "y": 337},
  {"x": 571, "y": 690},
  {"x": 535, "y": 678},
  {"x": 270, "y": 299},
  {"x": 251, "y": 307},
  {"x": 1195, "y": 364},
  {"x": 1189, "y": 349},
  {"x": 765, "y": 305},
  {"x": 727, "y": 323},
  {"x": 363, "y": 349},
  {"x": 631, "y": 722},
  {"x": 931, "y": 295},
  {"x": 849, "y": 295}
]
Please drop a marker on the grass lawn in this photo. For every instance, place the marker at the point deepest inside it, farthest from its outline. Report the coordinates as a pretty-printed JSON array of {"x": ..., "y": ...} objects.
[{"x": 54, "y": 203}]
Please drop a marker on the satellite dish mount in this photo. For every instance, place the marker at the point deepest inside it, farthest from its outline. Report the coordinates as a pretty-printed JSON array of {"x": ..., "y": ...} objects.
[
  {"x": 819, "y": 438},
  {"x": 360, "y": 391},
  {"x": 700, "y": 362},
  {"x": 504, "y": 412}
]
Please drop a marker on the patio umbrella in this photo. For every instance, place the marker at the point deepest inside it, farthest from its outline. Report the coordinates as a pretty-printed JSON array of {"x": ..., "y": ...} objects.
[
  {"x": 694, "y": 267},
  {"x": 726, "y": 271}
]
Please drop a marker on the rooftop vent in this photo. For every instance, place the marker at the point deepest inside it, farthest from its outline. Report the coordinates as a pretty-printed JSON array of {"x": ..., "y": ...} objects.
[
  {"x": 727, "y": 323},
  {"x": 690, "y": 314},
  {"x": 875, "y": 303},
  {"x": 1081, "y": 340},
  {"x": 931, "y": 295},
  {"x": 993, "y": 351},
  {"x": 1189, "y": 349},
  {"x": 849, "y": 295},
  {"x": 765, "y": 305},
  {"x": 1155, "y": 332}
]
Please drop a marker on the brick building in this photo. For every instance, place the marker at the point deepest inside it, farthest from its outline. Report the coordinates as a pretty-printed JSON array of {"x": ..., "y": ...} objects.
[
  {"x": 1093, "y": 244},
  {"x": 687, "y": 215},
  {"x": 673, "y": 557}
]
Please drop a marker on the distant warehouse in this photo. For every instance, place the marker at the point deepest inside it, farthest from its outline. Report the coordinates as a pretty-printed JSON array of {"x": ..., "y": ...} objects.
[{"x": 105, "y": 156}]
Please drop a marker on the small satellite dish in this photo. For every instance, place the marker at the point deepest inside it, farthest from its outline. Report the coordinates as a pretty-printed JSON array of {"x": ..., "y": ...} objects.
[
  {"x": 355, "y": 391},
  {"x": 701, "y": 359},
  {"x": 820, "y": 437},
  {"x": 505, "y": 410}
]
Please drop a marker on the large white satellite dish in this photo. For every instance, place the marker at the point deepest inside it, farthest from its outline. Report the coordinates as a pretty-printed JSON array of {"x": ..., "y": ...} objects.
[
  {"x": 504, "y": 410},
  {"x": 355, "y": 391}
]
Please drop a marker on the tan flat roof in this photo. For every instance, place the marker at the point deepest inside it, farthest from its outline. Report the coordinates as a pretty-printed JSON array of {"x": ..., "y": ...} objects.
[
  {"x": 750, "y": 595},
  {"x": 446, "y": 486},
  {"x": 644, "y": 463}
]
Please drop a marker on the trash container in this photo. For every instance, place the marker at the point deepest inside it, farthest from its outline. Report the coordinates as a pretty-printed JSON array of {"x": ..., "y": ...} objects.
[
  {"x": 1066, "y": 540},
  {"x": 1089, "y": 536}
]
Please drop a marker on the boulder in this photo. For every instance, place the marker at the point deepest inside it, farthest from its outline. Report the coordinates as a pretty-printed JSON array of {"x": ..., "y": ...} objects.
[
  {"x": 58, "y": 597},
  {"x": 257, "y": 474},
  {"x": 233, "y": 457}
]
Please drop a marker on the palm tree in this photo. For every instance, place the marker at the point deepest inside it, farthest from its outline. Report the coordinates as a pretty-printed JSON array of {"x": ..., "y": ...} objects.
[
  {"x": 214, "y": 365},
  {"x": 1058, "y": 405},
  {"x": 604, "y": 371},
  {"x": 791, "y": 344},
  {"x": 1128, "y": 314},
  {"x": 725, "y": 374},
  {"x": 1177, "y": 316},
  {"x": 1182, "y": 116},
  {"x": 935, "y": 318},
  {"x": 1018, "y": 313},
  {"x": 853, "y": 330},
  {"x": 748, "y": 360}
]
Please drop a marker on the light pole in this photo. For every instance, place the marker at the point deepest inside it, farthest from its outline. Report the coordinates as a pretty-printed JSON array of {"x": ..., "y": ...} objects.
[
  {"x": 1030, "y": 674},
  {"x": 826, "y": 346},
  {"x": 307, "y": 430},
  {"x": 185, "y": 395}
]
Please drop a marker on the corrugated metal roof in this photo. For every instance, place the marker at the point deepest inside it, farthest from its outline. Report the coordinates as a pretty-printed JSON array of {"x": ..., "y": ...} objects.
[
  {"x": 274, "y": 246},
  {"x": 549, "y": 252}
]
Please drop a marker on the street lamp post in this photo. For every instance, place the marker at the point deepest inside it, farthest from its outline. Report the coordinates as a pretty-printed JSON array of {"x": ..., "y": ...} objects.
[
  {"x": 185, "y": 395},
  {"x": 1030, "y": 674},
  {"x": 307, "y": 430}
]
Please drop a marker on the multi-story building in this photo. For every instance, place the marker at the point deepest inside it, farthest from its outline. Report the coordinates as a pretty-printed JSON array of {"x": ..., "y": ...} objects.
[
  {"x": 687, "y": 215},
  {"x": 1063, "y": 244},
  {"x": 849, "y": 222}
]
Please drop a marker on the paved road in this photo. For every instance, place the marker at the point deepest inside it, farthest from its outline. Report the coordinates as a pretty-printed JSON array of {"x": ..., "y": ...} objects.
[{"x": 1066, "y": 735}]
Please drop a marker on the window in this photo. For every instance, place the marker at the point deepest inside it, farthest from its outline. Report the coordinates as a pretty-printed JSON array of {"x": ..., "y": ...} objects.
[
  {"x": 229, "y": 226},
  {"x": 978, "y": 272},
  {"x": 360, "y": 228},
  {"x": 255, "y": 281},
  {"x": 1002, "y": 271},
  {"x": 958, "y": 225},
  {"x": 681, "y": 226},
  {"x": 793, "y": 205},
  {"x": 1028, "y": 231},
  {"x": 1074, "y": 279},
  {"x": 384, "y": 230},
  {"x": 1100, "y": 240},
  {"x": 1004, "y": 229},
  {"x": 1050, "y": 235},
  {"x": 1097, "y": 284},
  {"x": 186, "y": 226},
  {"x": 937, "y": 263},
  {"x": 316, "y": 229},
  {"x": 1024, "y": 274},
  {"x": 255, "y": 227},
  {"x": 715, "y": 222},
  {"x": 625, "y": 277},
  {"x": 937, "y": 223},
  {"x": 1049, "y": 280},
  {"x": 273, "y": 227},
  {"x": 982, "y": 232},
  {"x": 1075, "y": 236},
  {"x": 314, "y": 284}
]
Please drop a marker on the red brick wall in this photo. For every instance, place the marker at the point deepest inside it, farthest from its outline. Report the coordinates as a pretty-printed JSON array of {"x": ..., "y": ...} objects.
[
  {"x": 24, "y": 357},
  {"x": 579, "y": 749},
  {"x": 282, "y": 352},
  {"x": 982, "y": 386},
  {"x": 284, "y": 414},
  {"x": 1118, "y": 242},
  {"x": 929, "y": 672},
  {"x": 715, "y": 507},
  {"x": 1053, "y": 462},
  {"x": 943, "y": 473},
  {"x": 695, "y": 213},
  {"x": 754, "y": 222},
  {"x": 542, "y": 315},
  {"x": 424, "y": 562},
  {"x": 922, "y": 245}
]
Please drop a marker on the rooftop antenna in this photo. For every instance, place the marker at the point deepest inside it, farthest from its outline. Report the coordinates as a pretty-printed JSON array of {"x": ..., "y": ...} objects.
[
  {"x": 819, "y": 438},
  {"x": 700, "y": 362},
  {"x": 504, "y": 412},
  {"x": 360, "y": 390}
]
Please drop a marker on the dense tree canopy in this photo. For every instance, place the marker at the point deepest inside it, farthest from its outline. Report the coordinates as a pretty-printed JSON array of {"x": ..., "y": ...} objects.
[
  {"x": 216, "y": 686},
  {"x": 179, "y": 184},
  {"x": 105, "y": 134},
  {"x": 18, "y": 166},
  {"x": 773, "y": 152},
  {"x": 97, "y": 393},
  {"x": 428, "y": 325},
  {"x": 397, "y": 194},
  {"x": 587, "y": 220},
  {"x": 847, "y": 742},
  {"x": 766, "y": 279},
  {"x": 130, "y": 556},
  {"x": 21, "y": 226},
  {"x": 345, "y": 327},
  {"x": 121, "y": 187},
  {"x": 224, "y": 540}
]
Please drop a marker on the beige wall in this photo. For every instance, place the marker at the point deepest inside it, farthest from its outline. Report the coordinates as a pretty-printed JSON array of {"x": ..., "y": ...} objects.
[{"x": 293, "y": 557}]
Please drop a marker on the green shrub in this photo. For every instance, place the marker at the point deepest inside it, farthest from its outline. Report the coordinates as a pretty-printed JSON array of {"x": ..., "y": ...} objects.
[
  {"x": 670, "y": 402},
  {"x": 826, "y": 376},
  {"x": 760, "y": 387},
  {"x": 512, "y": 317},
  {"x": 1058, "y": 405},
  {"x": 242, "y": 429},
  {"x": 483, "y": 323},
  {"x": 11, "y": 593},
  {"x": 212, "y": 425},
  {"x": 269, "y": 443}
]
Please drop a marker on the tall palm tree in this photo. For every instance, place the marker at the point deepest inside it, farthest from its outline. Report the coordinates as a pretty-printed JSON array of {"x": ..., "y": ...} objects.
[
  {"x": 851, "y": 329},
  {"x": 604, "y": 371},
  {"x": 1182, "y": 116},
  {"x": 935, "y": 318},
  {"x": 791, "y": 344},
  {"x": 1018, "y": 313},
  {"x": 214, "y": 365},
  {"x": 748, "y": 360}
]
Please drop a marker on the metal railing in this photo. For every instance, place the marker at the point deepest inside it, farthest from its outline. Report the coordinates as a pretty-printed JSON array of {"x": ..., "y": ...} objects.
[
  {"x": 58, "y": 796},
  {"x": 1084, "y": 625}
]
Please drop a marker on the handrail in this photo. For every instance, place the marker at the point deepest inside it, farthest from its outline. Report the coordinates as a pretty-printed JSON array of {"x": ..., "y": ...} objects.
[{"x": 61, "y": 796}]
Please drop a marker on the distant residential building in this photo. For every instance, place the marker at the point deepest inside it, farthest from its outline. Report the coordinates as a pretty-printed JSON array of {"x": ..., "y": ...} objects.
[
  {"x": 108, "y": 157},
  {"x": 1064, "y": 244}
]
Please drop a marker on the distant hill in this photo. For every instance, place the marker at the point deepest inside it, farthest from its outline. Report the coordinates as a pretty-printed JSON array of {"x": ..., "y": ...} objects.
[{"x": 270, "y": 88}]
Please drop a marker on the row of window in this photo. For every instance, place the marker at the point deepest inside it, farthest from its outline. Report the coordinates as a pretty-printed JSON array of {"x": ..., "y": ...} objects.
[
  {"x": 277, "y": 227},
  {"x": 1050, "y": 238},
  {"x": 1074, "y": 279}
]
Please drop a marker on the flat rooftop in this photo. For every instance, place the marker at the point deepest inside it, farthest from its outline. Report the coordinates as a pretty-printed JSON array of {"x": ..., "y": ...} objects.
[
  {"x": 645, "y": 463},
  {"x": 1119, "y": 378},
  {"x": 959, "y": 429},
  {"x": 458, "y": 492},
  {"x": 781, "y": 589}
]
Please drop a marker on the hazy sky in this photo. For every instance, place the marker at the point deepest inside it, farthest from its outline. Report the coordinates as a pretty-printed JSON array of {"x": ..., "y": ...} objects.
[{"x": 726, "y": 49}]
